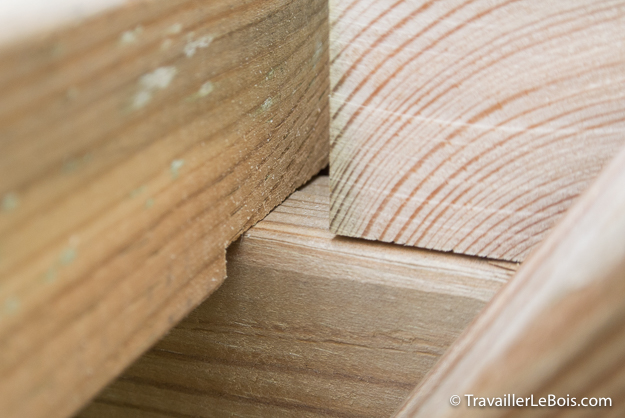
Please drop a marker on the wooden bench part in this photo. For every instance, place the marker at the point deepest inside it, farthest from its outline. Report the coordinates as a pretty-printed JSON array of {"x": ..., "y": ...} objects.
[
  {"x": 308, "y": 324},
  {"x": 557, "y": 328},
  {"x": 470, "y": 126},
  {"x": 135, "y": 145}
]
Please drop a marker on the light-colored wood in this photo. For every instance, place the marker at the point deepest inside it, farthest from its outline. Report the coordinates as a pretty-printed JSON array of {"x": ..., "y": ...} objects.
[
  {"x": 24, "y": 18},
  {"x": 557, "y": 328},
  {"x": 134, "y": 147},
  {"x": 470, "y": 126},
  {"x": 307, "y": 325}
]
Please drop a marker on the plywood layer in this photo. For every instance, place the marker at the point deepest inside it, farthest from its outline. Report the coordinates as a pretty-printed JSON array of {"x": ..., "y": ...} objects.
[
  {"x": 470, "y": 126},
  {"x": 557, "y": 329},
  {"x": 134, "y": 147},
  {"x": 308, "y": 325}
]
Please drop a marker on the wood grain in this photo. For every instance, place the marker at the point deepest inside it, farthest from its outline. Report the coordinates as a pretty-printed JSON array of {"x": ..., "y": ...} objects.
[
  {"x": 134, "y": 147},
  {"x": 308, "y": 325},
  {"x": 470, "y": 126},
  {"x": 557, "y": 328}
]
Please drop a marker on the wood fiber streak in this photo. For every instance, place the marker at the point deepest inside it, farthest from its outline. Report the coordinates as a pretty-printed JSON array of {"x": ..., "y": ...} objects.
[
  {"x": 135, "y": 146},
  {"x": 308, "y": 324},
  {"x": 470, "y": 126},
  {"x": 557, "y": 328}
]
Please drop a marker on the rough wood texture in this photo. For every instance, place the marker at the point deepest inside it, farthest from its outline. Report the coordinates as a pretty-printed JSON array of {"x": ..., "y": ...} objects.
[
  {"x": 557, "y": 328},
  {"x": 134, "y": 147},
  {"x": 308, "y": 325},
  {"x": 470, "y": 126}
]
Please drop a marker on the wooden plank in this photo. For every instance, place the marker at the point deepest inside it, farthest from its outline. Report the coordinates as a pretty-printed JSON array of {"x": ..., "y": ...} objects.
[
  {"x": 557, "y": 329},
  {"x": 23, "y": 18},
  {"x": 308, "y": 324},
  {"x": 470, "y": 126},
  {"x": 135, "y": 146}
]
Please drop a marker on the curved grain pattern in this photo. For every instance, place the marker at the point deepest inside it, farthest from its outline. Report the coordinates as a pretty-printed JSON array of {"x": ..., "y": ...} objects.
[
  {"x": 134, "y": 147},
  {"x": 470, "y": 126},
  {"x": 557, "y": 328}
]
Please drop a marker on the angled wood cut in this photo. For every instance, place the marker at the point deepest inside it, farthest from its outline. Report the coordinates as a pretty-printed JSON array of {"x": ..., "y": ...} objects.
[
  {"x": 470, "y": 126},
  {"x": 308, "y": 325},
  {"x": 558, "y": 328},
  {"x": 135, "y": 145}
]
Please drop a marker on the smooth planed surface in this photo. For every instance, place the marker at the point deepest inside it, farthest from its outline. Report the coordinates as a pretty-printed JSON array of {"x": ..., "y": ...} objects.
[{"x": 470, "y": 126}]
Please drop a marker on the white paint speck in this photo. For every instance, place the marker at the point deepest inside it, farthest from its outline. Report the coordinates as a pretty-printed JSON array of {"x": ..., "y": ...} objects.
[
  {"x": 174, "y": 29},
  {"x": 158, "y": 79},
  {"x": 192, "y": 46},
  {"x": 206, "y": 89},
  {"x": 130, "y": 36},
  {"x": 166, "y": 44},
  {"x": 141, "y": 99},
  {"x": 175, "y": 167},
  {"x": 266, "y": 104}
]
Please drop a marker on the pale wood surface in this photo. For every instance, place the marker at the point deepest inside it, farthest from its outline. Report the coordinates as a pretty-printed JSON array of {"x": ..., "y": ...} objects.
[
  {"x": 307, "y": 325},
  {"x": 556, "y": 328},
  {"x": 27, "y": 18},
  {"x": 470, "y": 125},
  {"x": 134, "y": 147}
]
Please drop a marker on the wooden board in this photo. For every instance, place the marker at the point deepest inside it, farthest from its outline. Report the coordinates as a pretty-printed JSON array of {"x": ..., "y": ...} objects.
[
  {"x": 307, "y": 325},
  {"x": 134, "y": 147},
  {"x": 23, "y": 18},
  {"x": 470, "y": 126},
  {"x": 557, "y": 328}
]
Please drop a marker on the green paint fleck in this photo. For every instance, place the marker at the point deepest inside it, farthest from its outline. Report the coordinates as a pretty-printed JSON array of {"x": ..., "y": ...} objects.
[
  {"x": 67, "y": 256},
  {"x": 72, "y": 93},
  {"x": 57, "y": 50},
  {"x": 149, "y": 203},
  {"x": 139, "y": 190},
  {"x": 10, "y": 201},
  {"x": 175, "y": 167},
  {"x": 318, "y": 51},
  {"x": 70, "y": 166},
  {"x": 11, "y": 305},
  {"x": 266, "y": 104},
  {"x": 50, "y": 275},
  {"x": 270, "y": 74}
]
